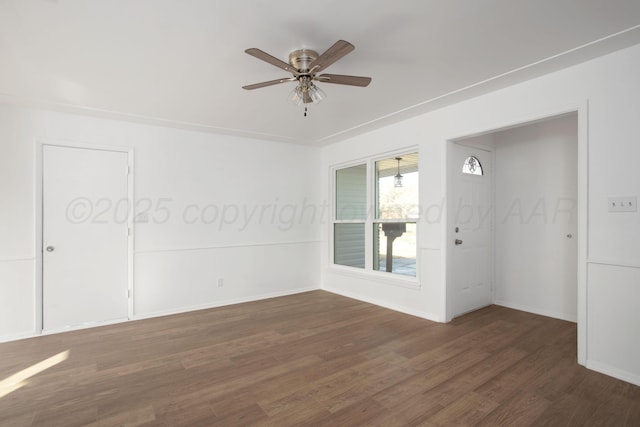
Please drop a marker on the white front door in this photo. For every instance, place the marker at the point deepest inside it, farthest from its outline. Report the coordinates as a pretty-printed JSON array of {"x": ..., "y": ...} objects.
[
  {"x": 470, "y": 217},
  {"x": 85, "y": 243}
]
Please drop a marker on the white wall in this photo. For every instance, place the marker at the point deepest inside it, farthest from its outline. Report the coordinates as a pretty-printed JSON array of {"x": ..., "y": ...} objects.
[
  {"x": 536, "y": 177},
  {"x": 614, "y": 320},
  {"x": 243, "y": 210},
  {"x": 610, "y": 86}
]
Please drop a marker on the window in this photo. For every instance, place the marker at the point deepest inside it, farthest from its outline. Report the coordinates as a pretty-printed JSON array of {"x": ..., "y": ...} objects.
[{"x": 391, "y": 216}]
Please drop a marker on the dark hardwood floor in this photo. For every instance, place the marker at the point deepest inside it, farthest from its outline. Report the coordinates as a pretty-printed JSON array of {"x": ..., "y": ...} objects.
[{"x": 311, "y": 359}]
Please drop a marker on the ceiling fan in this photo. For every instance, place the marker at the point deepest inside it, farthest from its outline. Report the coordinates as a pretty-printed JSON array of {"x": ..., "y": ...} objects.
[{"x": 304, "y": 65}]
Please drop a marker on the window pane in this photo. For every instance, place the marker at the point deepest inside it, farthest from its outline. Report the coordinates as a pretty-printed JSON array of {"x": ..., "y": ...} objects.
[
  {"x": 351, "y": 193},
  {"x": 397, "y": 187},
  {"x": 348, "y": 245},
  {"x": 395, "y": 247}
]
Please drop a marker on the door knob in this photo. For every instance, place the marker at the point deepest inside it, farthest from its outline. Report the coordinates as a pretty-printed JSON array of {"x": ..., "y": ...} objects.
[
  {"x": 50, "y": 249},
  {"x": 458, "y": 242}
]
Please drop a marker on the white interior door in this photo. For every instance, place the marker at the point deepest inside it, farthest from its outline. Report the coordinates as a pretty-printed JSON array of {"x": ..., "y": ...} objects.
[
  {"x": 85, "y": 243},
  {"x": 470, "y": 222}
]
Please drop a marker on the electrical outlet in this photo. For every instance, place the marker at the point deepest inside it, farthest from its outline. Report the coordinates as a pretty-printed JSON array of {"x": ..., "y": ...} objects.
[
  {"x": 623, "y": 204},
  {"x": 220, "y": 282}
]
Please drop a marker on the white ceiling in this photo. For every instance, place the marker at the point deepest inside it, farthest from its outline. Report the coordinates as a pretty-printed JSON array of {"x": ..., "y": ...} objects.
[{"x": 182, "y": 62}]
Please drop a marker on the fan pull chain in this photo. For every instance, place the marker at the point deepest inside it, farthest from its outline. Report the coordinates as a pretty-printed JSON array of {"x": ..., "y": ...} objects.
[{"x": 305, "y": 111}]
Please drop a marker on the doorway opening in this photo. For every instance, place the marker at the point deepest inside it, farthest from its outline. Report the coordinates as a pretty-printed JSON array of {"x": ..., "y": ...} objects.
[{"x": 515, "y": 244}]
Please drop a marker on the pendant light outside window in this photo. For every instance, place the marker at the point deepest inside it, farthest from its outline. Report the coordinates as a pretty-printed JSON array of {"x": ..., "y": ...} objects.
[{"x": 397, "y": 182}]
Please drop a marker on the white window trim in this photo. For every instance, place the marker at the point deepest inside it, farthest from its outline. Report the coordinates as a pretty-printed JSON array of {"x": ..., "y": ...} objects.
[{"x": 368, "y": 272}]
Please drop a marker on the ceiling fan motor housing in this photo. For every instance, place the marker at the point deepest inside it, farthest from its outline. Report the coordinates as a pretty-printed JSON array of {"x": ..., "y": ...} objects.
[{"x": 301, "y": 59}]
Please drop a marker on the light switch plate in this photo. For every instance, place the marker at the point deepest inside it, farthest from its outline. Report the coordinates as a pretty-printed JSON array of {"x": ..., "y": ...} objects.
[{"x": 623, "y": 204}]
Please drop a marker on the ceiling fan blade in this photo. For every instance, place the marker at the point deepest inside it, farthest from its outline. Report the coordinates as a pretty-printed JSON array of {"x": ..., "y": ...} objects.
[
  {"x": 269, "y": 83},
  {"x": 272, "y": 60},
  {"x": 341, "y": 79},
  {"x": 331, "y": 55}
]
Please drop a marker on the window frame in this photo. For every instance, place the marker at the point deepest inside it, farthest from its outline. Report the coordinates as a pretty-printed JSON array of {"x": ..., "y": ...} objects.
[{"x": 370, "y": 221}]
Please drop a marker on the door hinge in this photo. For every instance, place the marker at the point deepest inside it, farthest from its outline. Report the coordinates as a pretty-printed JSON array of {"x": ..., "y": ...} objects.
[
  {"x": 129, "y": 293},
  {"x": 128, "y": 170}
]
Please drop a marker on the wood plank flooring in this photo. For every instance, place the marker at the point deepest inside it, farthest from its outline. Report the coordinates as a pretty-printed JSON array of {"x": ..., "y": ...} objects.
[{"x": 311, "y": 359}]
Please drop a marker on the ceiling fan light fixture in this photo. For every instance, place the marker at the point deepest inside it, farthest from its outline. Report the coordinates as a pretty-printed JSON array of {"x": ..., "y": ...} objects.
[
  {"x": 306, "y": 92},
  {"x": 296, "y": 96},
  {"x": 316, "y": 94}
]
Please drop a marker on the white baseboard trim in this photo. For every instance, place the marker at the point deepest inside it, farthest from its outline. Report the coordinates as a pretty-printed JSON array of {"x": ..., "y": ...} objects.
[
  {"x": 394, "y": 307},
  {"x": 83, "y": 326},
  {"x": 542, "y": 312},
  {"x": 603, "y": 368},
  {"x": 19, "y": 336},
  {"x": 223, "y": 303},
  {"x": 15, "y": 337}
]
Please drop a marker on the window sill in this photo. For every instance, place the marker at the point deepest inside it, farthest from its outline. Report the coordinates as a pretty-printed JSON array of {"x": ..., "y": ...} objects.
[{"x": 408, "y": 282}]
